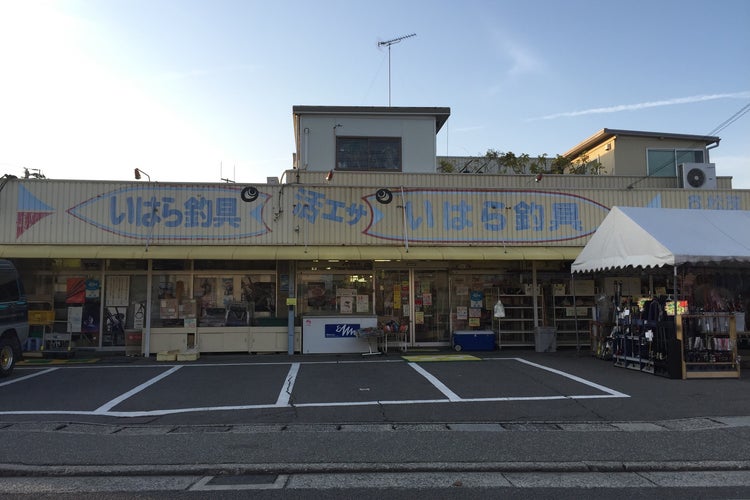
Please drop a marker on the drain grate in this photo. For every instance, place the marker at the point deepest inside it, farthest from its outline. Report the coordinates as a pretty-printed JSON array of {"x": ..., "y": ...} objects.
[{"x": 240, "y": 482}]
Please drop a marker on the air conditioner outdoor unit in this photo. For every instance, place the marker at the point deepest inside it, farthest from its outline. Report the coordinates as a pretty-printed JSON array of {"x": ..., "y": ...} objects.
[{"x": 696, "y": 175}]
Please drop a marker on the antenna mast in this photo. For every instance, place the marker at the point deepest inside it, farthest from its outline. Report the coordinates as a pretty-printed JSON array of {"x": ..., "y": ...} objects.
[{"x": 388, "y": 44}]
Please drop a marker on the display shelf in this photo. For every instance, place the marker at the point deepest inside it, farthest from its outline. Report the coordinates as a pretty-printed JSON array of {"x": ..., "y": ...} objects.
[
  {"x": 572, "y": 315},
  {"x": 517, "y": 327},
  {"x": 633, "y": 345},
  {"x": 709, "y": 345},
  {"x": 518, "y": 322}
]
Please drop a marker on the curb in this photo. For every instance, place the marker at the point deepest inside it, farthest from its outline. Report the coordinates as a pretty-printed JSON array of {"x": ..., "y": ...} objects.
[{"x": 14, "y": 470}]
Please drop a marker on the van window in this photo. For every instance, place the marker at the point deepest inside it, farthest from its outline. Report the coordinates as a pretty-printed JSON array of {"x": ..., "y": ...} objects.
[{"x": 8, "y": 286}]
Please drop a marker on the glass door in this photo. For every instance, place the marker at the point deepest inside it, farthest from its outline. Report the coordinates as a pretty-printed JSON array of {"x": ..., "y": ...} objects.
[
  {"x": 431, "y": 311},
  {"x": 417, "y": 298}
]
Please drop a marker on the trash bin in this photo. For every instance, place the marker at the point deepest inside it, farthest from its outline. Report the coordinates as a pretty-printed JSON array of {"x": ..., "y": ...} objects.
[
  {"x": 545, "y": 339},
  {"x": 133, "y": 342}
]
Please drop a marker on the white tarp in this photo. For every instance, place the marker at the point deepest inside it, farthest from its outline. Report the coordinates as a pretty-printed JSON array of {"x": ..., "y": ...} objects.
[{"x": 654, "y": 237}]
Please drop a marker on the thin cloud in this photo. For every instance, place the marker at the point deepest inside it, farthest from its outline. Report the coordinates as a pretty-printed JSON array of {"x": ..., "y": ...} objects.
[
  {"x": 645, "y": 105},
  {"x": 197, "y": 73}
]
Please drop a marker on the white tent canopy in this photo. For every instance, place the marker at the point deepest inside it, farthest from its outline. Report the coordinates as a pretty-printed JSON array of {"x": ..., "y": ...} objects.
[{"x": 654, "y": 237}]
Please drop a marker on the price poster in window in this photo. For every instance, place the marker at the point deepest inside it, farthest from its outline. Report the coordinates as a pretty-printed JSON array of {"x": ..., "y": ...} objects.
[
  {"x": 462, "y": 312},
  {"x": 476, "y": 299},
  {"x": 118, "y": 290},
  {"x": 419, "y": 318},
  {"x": 346, "y": 304},
  {"x": 363, "y": 303}
]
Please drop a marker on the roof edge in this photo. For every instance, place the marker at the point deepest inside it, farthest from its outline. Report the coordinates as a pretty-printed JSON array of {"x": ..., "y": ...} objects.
[{"x": 607, "y": 133}]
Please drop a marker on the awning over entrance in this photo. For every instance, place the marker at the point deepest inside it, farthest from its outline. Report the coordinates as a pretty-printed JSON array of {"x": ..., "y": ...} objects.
[
  {"x": 654, "y": 237},
  {"x": 254, "y": 252}
]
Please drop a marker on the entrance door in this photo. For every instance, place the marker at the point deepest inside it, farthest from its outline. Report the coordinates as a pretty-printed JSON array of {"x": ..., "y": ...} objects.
[
  {"x": 417, "y": 298},
  {"x": 431, "y": 310}
]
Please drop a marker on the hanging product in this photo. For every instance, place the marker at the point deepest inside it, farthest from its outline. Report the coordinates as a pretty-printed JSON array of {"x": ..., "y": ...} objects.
[{"x": 499, "y": 309}]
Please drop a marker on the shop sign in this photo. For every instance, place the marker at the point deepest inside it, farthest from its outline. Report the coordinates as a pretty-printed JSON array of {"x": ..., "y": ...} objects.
[
  {"x": 170, "y": 213},
  {"x": 481, "y": 216},
  {"x": 341, "y": 330}
]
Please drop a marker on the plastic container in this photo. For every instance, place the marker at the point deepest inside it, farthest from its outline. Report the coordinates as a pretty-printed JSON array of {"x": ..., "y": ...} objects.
[{"x": 545, "y": 339}]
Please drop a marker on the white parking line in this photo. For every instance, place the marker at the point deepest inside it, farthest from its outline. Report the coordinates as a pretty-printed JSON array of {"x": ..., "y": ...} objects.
[
  {"x": 452, "y": 396},
  {"x": 43, "y": 372},
  {"x": 286, "y": 390},
  {"x": 132, "y": 392},
  {"x": 284, "y": 398},
  {"x": 580, "y": 380}
]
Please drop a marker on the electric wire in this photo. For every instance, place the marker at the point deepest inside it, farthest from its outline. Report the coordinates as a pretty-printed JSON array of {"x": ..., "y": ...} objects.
[{"x": 723, "y": 125}]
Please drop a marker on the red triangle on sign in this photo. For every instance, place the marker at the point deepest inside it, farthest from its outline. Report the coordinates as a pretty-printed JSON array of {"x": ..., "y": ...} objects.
[{"x": 24, "y": 220}]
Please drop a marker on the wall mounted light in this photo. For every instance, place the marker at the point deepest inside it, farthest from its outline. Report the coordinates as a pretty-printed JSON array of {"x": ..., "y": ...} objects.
[
  {"x": 138, "y": 173},
  {"x": 538, "y": 177},
  {"x": 329, "y": 175}
]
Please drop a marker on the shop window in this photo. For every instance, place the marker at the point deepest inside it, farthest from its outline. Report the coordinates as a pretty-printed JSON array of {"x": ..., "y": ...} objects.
[
  {"x": 663, "y": 162},
  {"x": 124, "y": 307},
  {"x": 335, "y": 293},
  {"x": 77, "y": 304},
  {"x": 368, "y": 153},
  {"x": 172, "y": 301},
  {"x": 235, "y": 300},
  {"x": 9, "y": 291}
]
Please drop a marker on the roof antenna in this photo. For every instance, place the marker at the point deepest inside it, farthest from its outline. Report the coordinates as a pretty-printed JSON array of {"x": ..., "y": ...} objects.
[{"x": 388, "y": 44}]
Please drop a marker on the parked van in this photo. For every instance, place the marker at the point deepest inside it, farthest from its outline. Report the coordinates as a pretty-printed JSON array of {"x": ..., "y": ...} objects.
[{"x": 14, "y": 317}]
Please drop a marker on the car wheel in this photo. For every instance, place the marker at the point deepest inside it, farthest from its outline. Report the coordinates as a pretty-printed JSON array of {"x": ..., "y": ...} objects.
[{"x": 7, "y": 357}]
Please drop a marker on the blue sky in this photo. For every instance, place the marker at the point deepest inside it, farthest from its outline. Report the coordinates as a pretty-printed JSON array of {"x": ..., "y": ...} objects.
[{"x": 197, "y": 91}]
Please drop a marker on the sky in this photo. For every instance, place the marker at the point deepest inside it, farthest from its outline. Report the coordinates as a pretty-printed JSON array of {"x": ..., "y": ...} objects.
[{"x": 203, "y": 90}]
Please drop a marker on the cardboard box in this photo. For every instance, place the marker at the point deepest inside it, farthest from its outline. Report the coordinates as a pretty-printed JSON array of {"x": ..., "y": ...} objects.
[
  {"x": 191, "y": 355},
  {"x": 168, "y": 309},
  {"x": 167, "y": 356},
  {"x": 189, "y": 309}
]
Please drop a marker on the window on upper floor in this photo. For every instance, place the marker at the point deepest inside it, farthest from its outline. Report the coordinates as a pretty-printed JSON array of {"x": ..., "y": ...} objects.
[
  {"x": 663, "y": 162},
  {"x": 368, "y": 153}
]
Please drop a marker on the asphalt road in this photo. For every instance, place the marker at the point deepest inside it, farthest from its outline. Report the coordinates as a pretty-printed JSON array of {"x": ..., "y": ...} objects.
[{"x": 508, "y": 412}]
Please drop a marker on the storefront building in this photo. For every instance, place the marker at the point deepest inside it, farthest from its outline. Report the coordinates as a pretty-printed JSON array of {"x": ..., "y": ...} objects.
[{"x": 361, "y": 232}]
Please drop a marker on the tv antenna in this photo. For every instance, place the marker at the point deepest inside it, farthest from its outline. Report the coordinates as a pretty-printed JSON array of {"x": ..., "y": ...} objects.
[{"x": 388, "y": 44}]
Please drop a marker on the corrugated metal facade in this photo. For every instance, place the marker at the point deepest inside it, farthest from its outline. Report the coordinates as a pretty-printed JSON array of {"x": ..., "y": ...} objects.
[{"x": 355, "y": 210}]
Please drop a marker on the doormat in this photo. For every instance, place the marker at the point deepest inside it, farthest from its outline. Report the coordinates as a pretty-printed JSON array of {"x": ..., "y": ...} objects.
[
  {"x": 441, "y": 357},
  {"x": 31, "y": 362}
]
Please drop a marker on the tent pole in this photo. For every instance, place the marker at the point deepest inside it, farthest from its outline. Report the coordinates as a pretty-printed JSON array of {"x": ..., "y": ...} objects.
[{"x": 575, "y": 310}]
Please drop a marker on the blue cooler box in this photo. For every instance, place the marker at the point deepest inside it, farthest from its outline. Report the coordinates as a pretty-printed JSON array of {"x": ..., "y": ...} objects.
[{"x": 474, "y": 340}]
